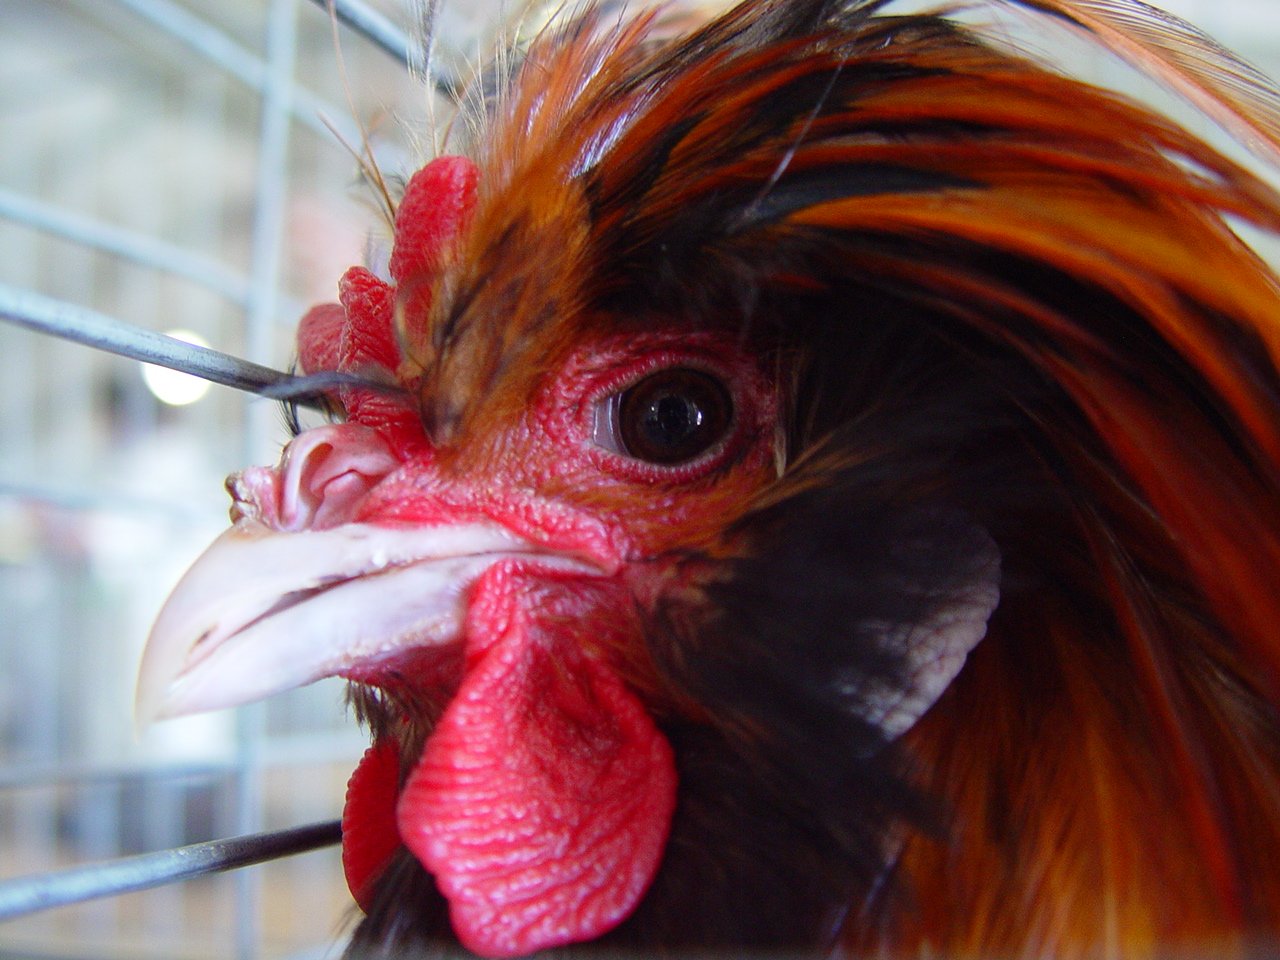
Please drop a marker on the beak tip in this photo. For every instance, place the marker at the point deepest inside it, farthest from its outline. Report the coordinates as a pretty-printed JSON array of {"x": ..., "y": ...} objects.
[
  {"x": 148, "y": 707},
  {"x": 158, "y": 694}
]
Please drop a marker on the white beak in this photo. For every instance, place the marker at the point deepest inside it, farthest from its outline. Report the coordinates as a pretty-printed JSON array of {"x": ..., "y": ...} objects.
[{"x": 263, "y": 611}]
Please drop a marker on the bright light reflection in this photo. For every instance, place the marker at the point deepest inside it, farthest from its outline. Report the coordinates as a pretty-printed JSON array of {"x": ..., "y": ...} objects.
[{"x": 171, "y": 386}]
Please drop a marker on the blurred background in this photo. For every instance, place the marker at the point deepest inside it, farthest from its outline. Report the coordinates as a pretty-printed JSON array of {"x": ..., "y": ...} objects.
[{"x": 167, "y": 162}]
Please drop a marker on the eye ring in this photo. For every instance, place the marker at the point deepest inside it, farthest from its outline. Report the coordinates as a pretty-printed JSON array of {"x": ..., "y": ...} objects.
[{"x": 668, "y": 418}]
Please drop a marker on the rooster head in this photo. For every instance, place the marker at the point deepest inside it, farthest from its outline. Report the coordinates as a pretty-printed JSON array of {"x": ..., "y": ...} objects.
[
  {"x": 706, "y": 414},
  {"x": 487, "y": 559}
]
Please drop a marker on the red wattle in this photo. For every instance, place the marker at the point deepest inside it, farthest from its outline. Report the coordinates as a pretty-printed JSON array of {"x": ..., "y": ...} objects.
[
  {"x": 369, "y": 835},
  {"x": 543, "y": 798}
]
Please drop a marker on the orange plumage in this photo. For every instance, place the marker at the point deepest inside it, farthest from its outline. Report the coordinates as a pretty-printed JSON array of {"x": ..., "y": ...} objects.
[{"x": 961, "y": 303}]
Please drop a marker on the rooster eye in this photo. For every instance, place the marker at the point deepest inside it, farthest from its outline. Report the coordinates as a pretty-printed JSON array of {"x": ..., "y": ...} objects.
[{"x": 672, "y": 416}]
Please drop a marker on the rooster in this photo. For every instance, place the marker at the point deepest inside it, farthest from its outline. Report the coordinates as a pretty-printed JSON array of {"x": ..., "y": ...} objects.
[{"x": 810, "y": 481}]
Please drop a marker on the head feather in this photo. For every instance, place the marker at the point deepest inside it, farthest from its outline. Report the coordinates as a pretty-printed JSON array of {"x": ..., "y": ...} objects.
[{"x": 1008, "y": 292}]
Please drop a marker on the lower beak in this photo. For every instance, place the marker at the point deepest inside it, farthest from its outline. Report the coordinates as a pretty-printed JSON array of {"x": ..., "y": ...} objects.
[{"x": 263, "y": 611}]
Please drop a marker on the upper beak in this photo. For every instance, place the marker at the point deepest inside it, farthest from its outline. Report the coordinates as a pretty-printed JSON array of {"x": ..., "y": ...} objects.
[{"x": 263, "y": 610}]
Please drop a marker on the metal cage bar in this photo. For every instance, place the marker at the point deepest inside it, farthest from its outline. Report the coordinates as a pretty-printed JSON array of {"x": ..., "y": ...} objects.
[{"x": 26, "y": 895}]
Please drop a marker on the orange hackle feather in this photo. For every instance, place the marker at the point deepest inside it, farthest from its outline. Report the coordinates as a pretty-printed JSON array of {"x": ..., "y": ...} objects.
[{"x": 1106, "y": 770}]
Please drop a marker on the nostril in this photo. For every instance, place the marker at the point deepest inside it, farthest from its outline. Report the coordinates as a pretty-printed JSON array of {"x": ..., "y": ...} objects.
[
  {"x": 337, "y": 502},
  {"x": 302, "y": 489},
  {"x": 326, "y": 472}
]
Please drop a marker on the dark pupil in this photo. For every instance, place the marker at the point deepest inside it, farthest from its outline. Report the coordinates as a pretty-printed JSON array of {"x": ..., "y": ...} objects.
[
  {"x": 670, "y": 420},
  {"x": 673, "y": 416}
]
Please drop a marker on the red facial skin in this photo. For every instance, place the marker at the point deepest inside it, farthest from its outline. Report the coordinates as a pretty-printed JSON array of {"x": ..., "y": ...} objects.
[
  {"x": 546, "y": 479},
  {"x": 542, "y": 799},
  {"x": 545, "y": 650}
]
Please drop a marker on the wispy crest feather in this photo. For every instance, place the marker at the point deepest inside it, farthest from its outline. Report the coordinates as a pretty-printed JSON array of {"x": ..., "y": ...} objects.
[{"x": 1245, "y": 101}]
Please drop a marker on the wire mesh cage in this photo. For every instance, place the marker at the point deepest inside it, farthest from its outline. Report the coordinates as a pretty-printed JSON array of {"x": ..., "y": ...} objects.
[{"x": 173, "y": 164}]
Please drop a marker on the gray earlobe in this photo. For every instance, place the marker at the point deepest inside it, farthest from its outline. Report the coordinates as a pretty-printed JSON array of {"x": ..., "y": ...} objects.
[{"x": 932, "y": 651}]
